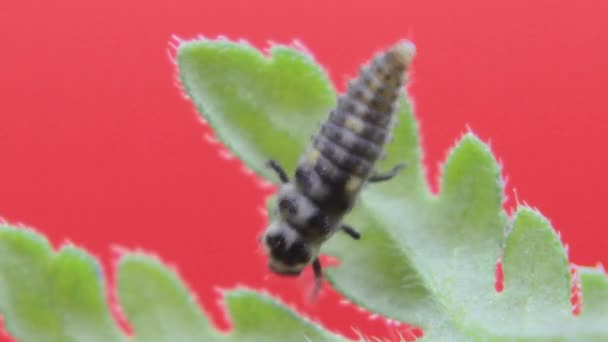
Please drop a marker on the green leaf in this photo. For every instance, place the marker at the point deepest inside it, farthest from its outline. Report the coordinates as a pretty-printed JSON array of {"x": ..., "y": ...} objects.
[
  {"x": 161, "y": 309},
  {"x": 279, "y": 323},
  {"x": 262, "y": 107},
  {"x": 594, "y": 288},
  {"x": 533, "y": 248},
  {"x": 156, "y": 304},
  {"x": 48, "y": 296},
  {"x": 424, "y": 259}
]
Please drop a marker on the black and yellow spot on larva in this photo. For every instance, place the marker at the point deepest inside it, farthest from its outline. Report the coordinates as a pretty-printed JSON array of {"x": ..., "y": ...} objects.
[
  {"x": 375, "y": 133},
  {"x": 360, "y": 92},
  {"x": 354, "y": 124},
  {"x": 364, "y": 112},
  {"x": 370, "y": 81},
  {"x": 388, "y": 95},
  {"x": 353, "y": 184},
  {"x": 312, "y": 156},
  {"x": 379, "y": 103}
]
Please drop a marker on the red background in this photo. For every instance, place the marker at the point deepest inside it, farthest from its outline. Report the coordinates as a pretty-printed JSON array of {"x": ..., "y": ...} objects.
[{"x": 98, "y": 147}]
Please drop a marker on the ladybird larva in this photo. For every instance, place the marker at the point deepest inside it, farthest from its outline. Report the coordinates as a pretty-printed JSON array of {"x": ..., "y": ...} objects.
[{"x": 339, "y": 161}]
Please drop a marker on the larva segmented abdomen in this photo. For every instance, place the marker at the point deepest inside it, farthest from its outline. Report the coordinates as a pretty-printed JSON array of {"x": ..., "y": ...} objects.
[{"x": 343, "y": 154}]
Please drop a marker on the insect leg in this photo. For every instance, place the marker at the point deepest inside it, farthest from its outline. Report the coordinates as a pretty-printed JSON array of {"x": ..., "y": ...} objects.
[
  {"x": 350, "y": 231},
  {"x": 318, "y": 272},
  {"x": 381, "y": 177},
  {"x": 276, "y": 167}
]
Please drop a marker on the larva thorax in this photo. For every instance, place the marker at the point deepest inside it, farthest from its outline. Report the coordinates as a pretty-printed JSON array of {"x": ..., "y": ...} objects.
[{"x": 340, "y": 159}]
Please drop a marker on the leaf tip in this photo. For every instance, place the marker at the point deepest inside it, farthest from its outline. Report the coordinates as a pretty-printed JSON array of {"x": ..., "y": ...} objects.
[
  {"x": 23, "y": 235},
  {"x": 525, "y": 213},
  {"x": 469, "y": 146},
  {"x": 471, "y": 170}
]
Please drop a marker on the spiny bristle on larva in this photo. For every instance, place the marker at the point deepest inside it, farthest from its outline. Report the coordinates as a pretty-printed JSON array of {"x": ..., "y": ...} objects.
[{"x": 403, "y": 52}]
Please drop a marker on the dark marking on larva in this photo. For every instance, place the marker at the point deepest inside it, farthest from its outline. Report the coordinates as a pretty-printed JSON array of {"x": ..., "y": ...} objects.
[
  {"x": 380, "y": 100},
  {"x": 338, "y": 201},
  {"x": 342, "y": 158},
  {"x": 292, "y": 255},
  {"x": 319, "y": 189},
  {"x": 319, "y": 223},
  {"x": 329, "y": 172},
  {"x": 380, "y": 104},
  {"x": 367, "y": 114},
  {"x": 275, "y": 241},
  {"x": 304, "y": 176},
  {"x": 360, "y": 92},
  {"x": 388, "y": 95},
  {"x": 378, "y": 68},
  {"x": 351, "y": 141},
  {"x": 288, "y": 206},
  {"x": 308, "y": 180}
]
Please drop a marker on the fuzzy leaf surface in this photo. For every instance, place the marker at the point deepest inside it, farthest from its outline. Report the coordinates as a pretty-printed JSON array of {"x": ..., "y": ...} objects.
[
  {"x": 424, "y": 259},
  {"x": 261, "y": 107},
  {"x": 50, "y": 296}
]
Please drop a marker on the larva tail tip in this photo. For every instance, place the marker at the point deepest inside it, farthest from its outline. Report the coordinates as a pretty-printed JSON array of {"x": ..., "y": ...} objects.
[{"x": 404, "y": 50}]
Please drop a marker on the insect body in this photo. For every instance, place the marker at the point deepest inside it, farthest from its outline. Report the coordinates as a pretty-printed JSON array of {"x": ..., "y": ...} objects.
[{"x": 339, "y": 161}]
